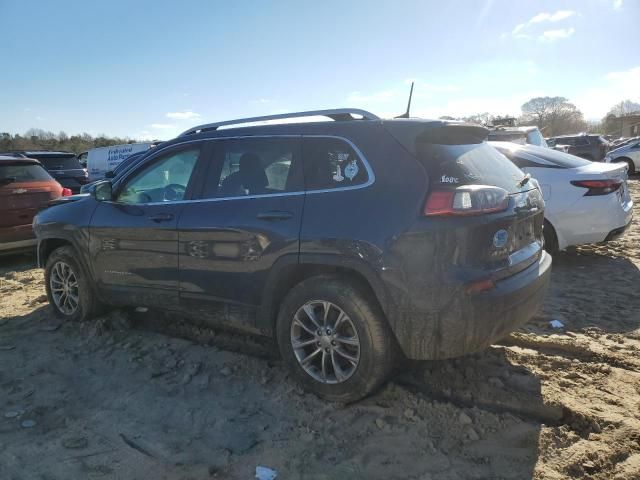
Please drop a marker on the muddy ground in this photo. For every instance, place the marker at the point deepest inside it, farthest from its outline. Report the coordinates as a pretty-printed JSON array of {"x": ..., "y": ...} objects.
[{"x": 143, "y": 398}]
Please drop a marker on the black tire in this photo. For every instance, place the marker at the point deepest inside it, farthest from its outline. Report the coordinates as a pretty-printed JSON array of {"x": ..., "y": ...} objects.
[
  {"x": 550, "y": 238},
  {"x": 88, "y": 304},
  {"x": 631, "y": 166},
  {"x": 377, "y": 347}
]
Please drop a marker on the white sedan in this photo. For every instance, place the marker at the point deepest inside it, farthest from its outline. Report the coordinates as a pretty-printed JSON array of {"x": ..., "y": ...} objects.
[{"x": 586, "y": 202}]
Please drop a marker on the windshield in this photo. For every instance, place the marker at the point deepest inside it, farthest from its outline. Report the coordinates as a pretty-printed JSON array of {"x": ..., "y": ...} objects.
[{"x": 24, "y": 172}]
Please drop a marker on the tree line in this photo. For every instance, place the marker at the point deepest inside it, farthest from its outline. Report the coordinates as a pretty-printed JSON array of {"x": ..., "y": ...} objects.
[
  {"x": 558, "y": 116},
  {"x": 38, "y": 139}
]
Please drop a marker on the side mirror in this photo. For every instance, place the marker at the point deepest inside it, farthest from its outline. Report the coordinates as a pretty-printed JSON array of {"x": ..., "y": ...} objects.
[{"x": 103, "y": 191}]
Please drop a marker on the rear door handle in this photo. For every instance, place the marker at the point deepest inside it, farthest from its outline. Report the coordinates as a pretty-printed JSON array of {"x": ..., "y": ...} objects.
[
  {"x": 274, "y": 215},
  {"x": 161, "y": 217}
]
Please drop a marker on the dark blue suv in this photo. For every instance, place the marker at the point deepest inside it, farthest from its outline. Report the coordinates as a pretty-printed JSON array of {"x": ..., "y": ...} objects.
[{"x": 352, "y": 242}]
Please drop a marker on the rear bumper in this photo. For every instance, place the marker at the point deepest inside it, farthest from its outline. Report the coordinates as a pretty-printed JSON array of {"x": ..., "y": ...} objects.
[
  {"x": 616, "y": 233},
  {"x": 471, "y": 323}
]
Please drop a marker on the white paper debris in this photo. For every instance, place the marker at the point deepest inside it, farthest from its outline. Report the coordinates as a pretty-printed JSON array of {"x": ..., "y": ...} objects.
[
  {"x": 265, "y": 473},
  {"x": 556, "y": 324}
]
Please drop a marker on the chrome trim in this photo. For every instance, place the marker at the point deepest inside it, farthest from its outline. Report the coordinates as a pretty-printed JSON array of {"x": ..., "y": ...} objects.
[
  {"x": 330, "y": 113},
  {"x": 371, "y": 176}
]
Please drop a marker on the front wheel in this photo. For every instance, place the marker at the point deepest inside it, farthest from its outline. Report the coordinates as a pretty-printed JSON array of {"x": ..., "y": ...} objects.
[
  {"x": 335, "y": 339},
  {"x": 68, "y": 287}
]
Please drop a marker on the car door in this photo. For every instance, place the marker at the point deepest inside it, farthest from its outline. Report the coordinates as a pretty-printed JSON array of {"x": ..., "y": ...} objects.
[
  {"x": 246, "y": 219},
  {"x": 133, "y": 238}
]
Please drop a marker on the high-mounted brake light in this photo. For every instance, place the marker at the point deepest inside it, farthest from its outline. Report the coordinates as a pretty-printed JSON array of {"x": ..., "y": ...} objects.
[
  {"x": 66, "y": 192},
  {"x": 598, "y": 187},
  {"x": 466, "y": 200}
]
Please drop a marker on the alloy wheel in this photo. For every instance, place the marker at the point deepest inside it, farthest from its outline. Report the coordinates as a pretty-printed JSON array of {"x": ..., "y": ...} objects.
[
  {"x": 325, "y": 342},
  {"x": 64, "y": 288}
]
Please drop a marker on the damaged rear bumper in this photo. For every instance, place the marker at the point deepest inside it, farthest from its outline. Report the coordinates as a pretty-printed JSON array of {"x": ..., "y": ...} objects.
[{"x": 470, "y": 323}]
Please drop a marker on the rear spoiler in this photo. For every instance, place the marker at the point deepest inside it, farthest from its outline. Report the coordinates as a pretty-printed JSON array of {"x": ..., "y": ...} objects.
[{"x": 410, "y": 133}]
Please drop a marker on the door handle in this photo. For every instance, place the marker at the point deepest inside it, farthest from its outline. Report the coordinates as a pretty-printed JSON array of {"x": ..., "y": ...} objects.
[
  {"x": 161, "y": 217},
  {"x": 273, "y": 215}
]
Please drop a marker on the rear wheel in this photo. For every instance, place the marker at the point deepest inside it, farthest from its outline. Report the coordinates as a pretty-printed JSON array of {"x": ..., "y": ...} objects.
[
  {"x": 335, "y": 339},
  {"x": 68, "y": 286},
  {"x": 550, "y": 238},
  {"x": 631, "y": 167}
]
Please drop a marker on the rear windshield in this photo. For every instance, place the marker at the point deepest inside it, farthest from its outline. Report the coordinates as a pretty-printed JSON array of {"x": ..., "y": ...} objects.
[
  {"x": 549, "y": 155},
  {"x": 24, "y": 172},
  {"x": 477, "y": 164},
  {"x": 58, "y": 163}
]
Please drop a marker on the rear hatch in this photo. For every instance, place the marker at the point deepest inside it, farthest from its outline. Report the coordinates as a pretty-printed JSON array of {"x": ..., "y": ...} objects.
[
  {"x": 25, "y": 188},
  {"x": 65, "y": 168},
  {"x": 501, "y": 237}
]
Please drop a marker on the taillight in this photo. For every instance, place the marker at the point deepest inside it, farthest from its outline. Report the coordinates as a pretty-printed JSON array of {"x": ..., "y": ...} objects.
[
  {"x": 466, "y": 200},
  {"x": 598, "y": 187},
  {"x": 66, "y": 192}
]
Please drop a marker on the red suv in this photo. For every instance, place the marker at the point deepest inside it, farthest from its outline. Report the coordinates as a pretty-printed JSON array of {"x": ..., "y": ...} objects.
[{"x": 25, "y": 188}]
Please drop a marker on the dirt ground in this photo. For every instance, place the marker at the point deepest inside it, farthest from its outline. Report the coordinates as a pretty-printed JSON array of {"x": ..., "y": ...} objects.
[{"x": 152, "y": 398}]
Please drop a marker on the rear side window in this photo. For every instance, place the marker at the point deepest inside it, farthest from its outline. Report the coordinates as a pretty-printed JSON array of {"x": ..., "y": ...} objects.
[
  {"x": 254, "y": 166},
  {"x": 581, "y": 141},
  {"x": 26, "y": 172},
  {"x": 474, "y": 164},
  {"x": 59, "y": 163},
  {"x": 332, "y": 163}
]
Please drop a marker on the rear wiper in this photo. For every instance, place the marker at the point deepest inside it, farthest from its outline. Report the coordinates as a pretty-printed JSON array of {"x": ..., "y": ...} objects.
[
  {"x": 7, "y": 180},
  {"x": 525, "y": 180}
]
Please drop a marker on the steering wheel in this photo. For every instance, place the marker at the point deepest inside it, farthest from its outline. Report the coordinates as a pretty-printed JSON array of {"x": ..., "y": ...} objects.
[{"x": 174, "y": 191}]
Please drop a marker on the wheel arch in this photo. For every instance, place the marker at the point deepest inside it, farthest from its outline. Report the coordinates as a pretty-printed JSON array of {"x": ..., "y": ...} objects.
[
  {"x": 628, "y": 161},
  {"x": 290, "y": 271}
]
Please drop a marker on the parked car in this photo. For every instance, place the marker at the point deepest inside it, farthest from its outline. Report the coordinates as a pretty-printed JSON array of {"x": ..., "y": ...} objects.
[
  {"x": 349, "y": 242},
  {"x": 587, "y": 146},
  {"x": 63, "y": 166},
  {"x": 628, "y": 153},
  {"x": 523, "y": 135},
  {"x": 586, "y": 202},
  {"x": 25, "y": 188}
]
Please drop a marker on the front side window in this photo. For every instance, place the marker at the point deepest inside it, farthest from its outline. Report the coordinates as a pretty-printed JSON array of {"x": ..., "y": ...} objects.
[
  {"x": 165, "y": 180},
  {"x": 254, "y": 166},
  {"x": 332, "y": 163}
]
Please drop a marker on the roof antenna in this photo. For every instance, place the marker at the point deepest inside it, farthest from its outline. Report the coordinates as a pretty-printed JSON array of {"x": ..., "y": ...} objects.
[{"x": 406, "y": 114}]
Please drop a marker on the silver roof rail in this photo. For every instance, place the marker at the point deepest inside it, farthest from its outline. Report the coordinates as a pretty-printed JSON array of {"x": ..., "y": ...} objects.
[{"x": 336, "y": 114}]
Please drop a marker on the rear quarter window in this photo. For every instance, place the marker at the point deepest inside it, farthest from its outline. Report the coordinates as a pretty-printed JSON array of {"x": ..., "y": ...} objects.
[{"x": 332, "y": 163}]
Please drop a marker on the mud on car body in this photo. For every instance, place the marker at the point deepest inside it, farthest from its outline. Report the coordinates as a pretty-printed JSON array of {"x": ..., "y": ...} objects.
[{"x": 351, "y": 242}]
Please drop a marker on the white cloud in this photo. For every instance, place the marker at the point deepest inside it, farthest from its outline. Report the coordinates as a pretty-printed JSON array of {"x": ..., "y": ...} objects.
[
  {"x": 162, "y": 126},
  {"x": 614, "y": 88},
  {"x": 552, "y": 17},
  {"x": 527, "y": 30},
  {"x": 183, "y": 115},
  {"x": 617, "y": 4},
  {"x": 552, "y": 35}
]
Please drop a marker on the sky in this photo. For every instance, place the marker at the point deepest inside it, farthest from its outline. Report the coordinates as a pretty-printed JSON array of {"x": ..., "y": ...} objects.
[{"x": 151, "y": 69}]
